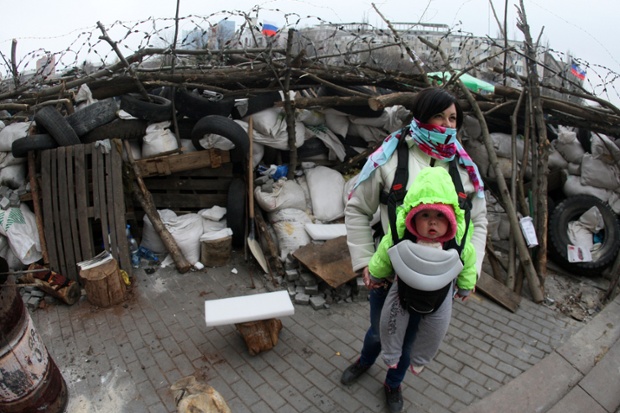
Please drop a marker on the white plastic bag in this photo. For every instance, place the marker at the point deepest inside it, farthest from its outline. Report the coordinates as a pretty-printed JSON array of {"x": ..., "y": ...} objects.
[
  {"x": 20, "y": 227},
  {"x": 12, "y": 132}
]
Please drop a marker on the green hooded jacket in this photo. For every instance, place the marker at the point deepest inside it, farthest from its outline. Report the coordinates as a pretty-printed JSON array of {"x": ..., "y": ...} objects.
[{"x": 430, "y": 186}]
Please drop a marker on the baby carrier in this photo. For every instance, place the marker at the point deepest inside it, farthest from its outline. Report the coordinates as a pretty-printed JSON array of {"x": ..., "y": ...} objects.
[{"x": 418, "y": 300}]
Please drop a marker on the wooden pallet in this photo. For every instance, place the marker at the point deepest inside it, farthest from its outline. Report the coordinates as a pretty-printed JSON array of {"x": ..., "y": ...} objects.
[
  {"x": 188, "y": 182},
  {"x": 82, "y": 193}
]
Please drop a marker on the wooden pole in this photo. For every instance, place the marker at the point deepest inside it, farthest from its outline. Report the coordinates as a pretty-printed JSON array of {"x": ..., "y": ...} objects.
[{"x": 146, "y": 201}]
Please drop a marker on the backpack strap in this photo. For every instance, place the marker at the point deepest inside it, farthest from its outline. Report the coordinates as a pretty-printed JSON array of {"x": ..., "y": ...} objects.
[{"x": 399, "y": 188}]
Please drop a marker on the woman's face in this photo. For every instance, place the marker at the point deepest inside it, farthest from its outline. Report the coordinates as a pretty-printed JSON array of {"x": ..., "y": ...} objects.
[{"x": 447, "y": 118}]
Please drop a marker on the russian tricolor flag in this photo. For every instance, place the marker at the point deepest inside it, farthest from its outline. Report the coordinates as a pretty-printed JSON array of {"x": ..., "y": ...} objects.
[
  {"x": 577, "y": 71},
  {"x": 269, "y": 29}
]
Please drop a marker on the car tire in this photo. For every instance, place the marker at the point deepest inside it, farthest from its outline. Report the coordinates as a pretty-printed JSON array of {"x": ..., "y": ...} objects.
[
  {"x": 92, "y": 116},
  {"x": 226, "y": 127},
  {"x": 196, "y": 105},
  {"x": 571, "y": 209},
  {"x": 20, "y": 147},
  {"x": 159, "y": 109},
  {"x": 117, "y": 129},
  {"x": 51, "y": 120}
]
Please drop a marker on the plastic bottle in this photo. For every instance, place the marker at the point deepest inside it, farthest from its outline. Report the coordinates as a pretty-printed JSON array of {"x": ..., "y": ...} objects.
[{"x": 133, "y": 249}]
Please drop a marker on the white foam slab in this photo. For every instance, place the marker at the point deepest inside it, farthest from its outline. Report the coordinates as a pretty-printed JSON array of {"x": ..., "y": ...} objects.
[{"x": 248, "y": 308}]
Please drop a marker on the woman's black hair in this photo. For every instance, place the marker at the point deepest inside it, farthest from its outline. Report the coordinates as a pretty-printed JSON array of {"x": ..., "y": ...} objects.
[{"x": 433, "y": 100}]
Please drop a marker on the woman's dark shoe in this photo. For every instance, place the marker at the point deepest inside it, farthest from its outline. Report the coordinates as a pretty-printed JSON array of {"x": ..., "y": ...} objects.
[
  {"x": 393, "y": 398},
  {"x": 352, "y": 373}
]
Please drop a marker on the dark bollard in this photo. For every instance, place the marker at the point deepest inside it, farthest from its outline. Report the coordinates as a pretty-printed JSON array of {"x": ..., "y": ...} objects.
[{"x": 30, "y": 381}]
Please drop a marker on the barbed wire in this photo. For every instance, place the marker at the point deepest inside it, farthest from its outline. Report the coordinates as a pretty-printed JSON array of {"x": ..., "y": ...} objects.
[{"x": 351, "y": 44}]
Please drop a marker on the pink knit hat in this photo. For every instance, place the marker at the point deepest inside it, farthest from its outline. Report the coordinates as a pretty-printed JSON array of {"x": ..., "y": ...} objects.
[{"x": 447, "y": 210}]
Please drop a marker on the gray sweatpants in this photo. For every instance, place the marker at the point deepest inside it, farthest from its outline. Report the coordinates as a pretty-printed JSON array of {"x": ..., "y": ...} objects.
[{"x": 431, "y": 330}]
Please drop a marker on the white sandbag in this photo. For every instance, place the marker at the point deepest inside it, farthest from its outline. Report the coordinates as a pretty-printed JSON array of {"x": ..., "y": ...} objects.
[
  {"x": 188, "y": 146},
  {"x": 158, "y": 139},
  {"x": 20, "y": 227},
  {"x": 336, "y": 148},
  {"x": 11, "y": 133},
  {"x": 614, "y": 202},
  {"x": 471, "y": 128},
  {"x": 597, "y": 173},
  {"x": 303, "y": 183},
  {"x": 258, "y": 152},
  {"x": 326, "y": 186},
  {"x": 502, "y": 142},
  {"x": 337, "y": 122},
  {"x": 311, "y": 117},
  {"x": 214, "y": 141},
  {"x": 285, "y": 194},
  {"x": 605, "y": 149},
  {"x": 8, "y": 159},
  {"x": 150, "y": 238},
  {"x": 378, "y": 122},
  {"x": 272, "y": 129},
  {"x": 581, "y": 232},
  {"x": 210, "y": 226},
  {"x": 572, "y": 186},
  {"x": 479, "y": 154},
  {"x": 574, "y": 169},
  {"x": 214, "y": 235},
  {"x": 323, "y": 232},
  {"x": 568, "y": 145},
  {"x": 368, "y": 133},
  {"x": 556, "y": 161},
  {"x": 215, "y": 213},
  {"x": 13, "y": 176},
  {"x": 186, "y": 231},
  {"x": 493, "y": 219},
  {"x": 288, "y": 225}
]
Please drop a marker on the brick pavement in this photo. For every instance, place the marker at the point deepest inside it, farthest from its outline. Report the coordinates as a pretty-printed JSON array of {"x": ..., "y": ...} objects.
[{"x": 124, "y": 359}]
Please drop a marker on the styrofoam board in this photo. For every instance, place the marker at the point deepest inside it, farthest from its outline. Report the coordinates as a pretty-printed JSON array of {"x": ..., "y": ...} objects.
[{"x": 248, "y": 308}]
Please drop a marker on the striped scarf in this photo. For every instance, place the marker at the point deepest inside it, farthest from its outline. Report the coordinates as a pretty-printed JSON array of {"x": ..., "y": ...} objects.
[{"x": 436, "y": 141}]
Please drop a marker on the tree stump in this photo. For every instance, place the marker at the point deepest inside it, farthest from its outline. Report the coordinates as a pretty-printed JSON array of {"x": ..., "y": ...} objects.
[
  {"x": 260, "y": 335},
  {"x": 104, "y": 284}
]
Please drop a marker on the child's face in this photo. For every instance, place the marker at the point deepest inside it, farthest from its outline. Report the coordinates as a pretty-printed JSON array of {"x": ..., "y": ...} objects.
[{"x": 431, "y": 224}]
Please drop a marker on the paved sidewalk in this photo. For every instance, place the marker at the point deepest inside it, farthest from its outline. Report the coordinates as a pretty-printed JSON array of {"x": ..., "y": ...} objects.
[{"x": 124, "y": 359}]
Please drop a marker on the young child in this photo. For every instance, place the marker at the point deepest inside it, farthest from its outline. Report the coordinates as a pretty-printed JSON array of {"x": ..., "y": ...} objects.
[{"x": 432, "y": 228}]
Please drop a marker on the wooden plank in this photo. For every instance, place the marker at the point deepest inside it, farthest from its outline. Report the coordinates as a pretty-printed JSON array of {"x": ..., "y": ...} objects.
[
  {"x": 65, "y": 218},
  {"x": 498, "y": 292},
  {"x": 48, "y": 216},
  {"x": 189, "y": 201},
  {"x": 119, "y": 206},
  {"x": 182, "y": 162},
  {"x": 56, "y": 214},
  {"x": 95, "y": 183},
  {"x": 73, "y": 213},
  {"x": 82, "y": 194},
  {"x": 176, "y": 183},
  {"x": 100, "y": 187},
  {"x": 109, "y": 207},
  {"x": 329, "y": 261}
]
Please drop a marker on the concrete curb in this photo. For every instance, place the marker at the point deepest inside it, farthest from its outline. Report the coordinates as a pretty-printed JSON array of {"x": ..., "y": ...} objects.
[{"x": 555, "y": 383}]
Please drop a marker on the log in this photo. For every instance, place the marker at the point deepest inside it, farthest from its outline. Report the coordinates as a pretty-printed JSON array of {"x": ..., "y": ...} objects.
[
  {"x": 104, "y": 284},
  {"x": 52, "y": 283},
  {"x": 260, "y": 335},
  {"x": 146, "y": 201}
]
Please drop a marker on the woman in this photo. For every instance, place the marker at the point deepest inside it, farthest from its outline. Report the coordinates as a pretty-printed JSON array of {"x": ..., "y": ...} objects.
[{"x": 431, "y": 139}]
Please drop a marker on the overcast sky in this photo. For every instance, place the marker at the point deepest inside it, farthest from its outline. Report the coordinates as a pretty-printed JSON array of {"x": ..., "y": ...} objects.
[{"x": 588, "y": 30}]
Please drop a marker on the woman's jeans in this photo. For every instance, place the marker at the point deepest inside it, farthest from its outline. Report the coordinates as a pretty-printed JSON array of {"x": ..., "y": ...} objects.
[{"x": 372, "y": 341}]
